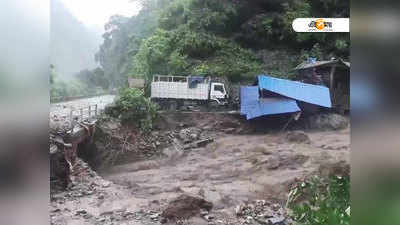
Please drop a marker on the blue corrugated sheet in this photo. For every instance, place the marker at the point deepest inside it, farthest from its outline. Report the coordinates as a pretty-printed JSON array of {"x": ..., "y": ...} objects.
[
  {"x": 313, "y": 94},
  {"x": 252, "y": 106},
  {"x": 248, "y": 98},
  {"x": 272, "y": 106}
]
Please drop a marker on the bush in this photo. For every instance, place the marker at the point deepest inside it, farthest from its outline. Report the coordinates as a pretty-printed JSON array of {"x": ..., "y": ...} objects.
[
  {"x": 326, "y": 202},
  {"x": 134, "y": 108}
]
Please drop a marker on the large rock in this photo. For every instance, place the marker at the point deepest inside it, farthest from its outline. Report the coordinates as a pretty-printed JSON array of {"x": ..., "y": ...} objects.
[
  {"x": 297, "y": 137},
  {"x": 184, "y": 207},
  {"x": 328, "y": 121}
]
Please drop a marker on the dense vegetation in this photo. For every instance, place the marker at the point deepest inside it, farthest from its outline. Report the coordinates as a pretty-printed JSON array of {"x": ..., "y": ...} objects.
[
  {"x": 325, "y": 202},
  {"x": 231, "y": 38},
  {"x": 133, "y": 108}
]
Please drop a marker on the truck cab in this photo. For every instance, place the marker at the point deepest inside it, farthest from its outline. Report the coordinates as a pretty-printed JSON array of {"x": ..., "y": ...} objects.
[{"x": 218, "y": 93}]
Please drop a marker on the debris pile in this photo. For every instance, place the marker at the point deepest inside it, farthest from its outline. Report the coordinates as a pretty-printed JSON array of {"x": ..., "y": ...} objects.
[
  {"x": 83, "y": 181},
  {"x": 87, "y": 185},
  {"x": 63, "y": 142},
  {"x": 261, "y": 212},
  {"x": 188, "y": 135},
  {"x": 115, "y": 142}
]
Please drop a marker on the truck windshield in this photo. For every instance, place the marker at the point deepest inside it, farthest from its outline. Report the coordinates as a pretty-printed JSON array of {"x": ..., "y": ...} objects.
[{"x": 219, "y": 88}]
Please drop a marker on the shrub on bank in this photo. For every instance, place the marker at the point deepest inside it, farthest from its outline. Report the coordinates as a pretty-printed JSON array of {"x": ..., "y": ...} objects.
[
  {"x": 318, "y": 201},
  {"x": 132, "y": 107}
]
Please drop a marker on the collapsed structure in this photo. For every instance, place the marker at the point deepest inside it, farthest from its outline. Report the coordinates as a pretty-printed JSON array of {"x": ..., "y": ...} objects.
[
  {"x": 319, "y": 84},
  {"x": 334, "y": 74},
  {"x": 272, "y": 95}
]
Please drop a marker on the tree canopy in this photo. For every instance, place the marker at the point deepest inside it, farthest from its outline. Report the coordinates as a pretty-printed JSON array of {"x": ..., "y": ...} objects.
[{"x": 228, "y": 38}]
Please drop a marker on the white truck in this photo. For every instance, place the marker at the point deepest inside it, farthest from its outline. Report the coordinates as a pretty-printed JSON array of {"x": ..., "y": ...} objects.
[{"x": 172, "y": 91}]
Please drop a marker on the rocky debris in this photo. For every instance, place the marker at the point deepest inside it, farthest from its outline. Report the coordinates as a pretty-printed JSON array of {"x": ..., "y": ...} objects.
[
  {"x": 59, "y": 124},
  {"x": 118, "y": 216},
  {"x": 198, "y": 144},
  {"x": 115, "y": 142},
  {"x": 184, "y": 207},
  {"x": 262, "y": 212},
  {"x": 328, "y": 121},
  {"x": 88, "y": 186},
  {"x": 297, "y": 137},
  {"x": 188, "y": 135},
  {"x": 84, "y": 182}
]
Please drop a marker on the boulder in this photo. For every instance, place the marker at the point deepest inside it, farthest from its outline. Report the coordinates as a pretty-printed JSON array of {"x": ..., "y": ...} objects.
[
  {"x": 328, "y": 121},
  {"x": 185, "y": 206}
]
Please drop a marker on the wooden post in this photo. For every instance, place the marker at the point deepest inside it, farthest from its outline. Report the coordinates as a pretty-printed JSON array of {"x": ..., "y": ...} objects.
[
  {"x": 90, "y": 112},
  {"x": 95, "y": 110},
  {"x": 81, "y": 111},
  {"x": 71, "y": 117},
  {"x": 331, "y": 83}
]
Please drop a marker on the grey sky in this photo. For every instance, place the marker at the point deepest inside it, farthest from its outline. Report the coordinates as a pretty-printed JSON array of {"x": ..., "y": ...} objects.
[{"x": 97, "y": 12}]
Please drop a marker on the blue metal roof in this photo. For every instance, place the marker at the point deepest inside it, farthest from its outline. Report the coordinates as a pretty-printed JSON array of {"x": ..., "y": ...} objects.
[
  {"x": 314, "y": 94},
  {"x": 248, "y": 98},
  {"x": 270, "y": 106},
  {"x": 252, "y": 106}
]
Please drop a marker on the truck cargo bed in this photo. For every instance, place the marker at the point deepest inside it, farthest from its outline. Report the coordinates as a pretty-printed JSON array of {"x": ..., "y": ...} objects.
[{"x": 178, "y": 88}]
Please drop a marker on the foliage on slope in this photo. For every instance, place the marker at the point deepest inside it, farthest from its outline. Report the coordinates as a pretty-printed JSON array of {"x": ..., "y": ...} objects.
[
  {"x": 85, "y": 83},
  {"x": 220, "y": 38},
  {"x": 132, "y": 107},
  {"x": 326, "y": 201}
]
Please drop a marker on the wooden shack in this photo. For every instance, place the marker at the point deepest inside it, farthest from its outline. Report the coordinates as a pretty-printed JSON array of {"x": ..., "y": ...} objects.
[
  {"x": 334, "y": 74},
  {"x": 136, "y": 82}
]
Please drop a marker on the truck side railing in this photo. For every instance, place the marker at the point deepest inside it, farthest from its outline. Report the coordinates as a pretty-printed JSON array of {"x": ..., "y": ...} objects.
[
  {"x": 183, "y": 79},
  {"x": 168, "y": 78}
]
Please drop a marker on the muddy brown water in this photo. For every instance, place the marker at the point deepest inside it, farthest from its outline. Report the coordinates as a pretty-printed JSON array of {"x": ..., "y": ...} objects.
[
  {"x": 231, "y": 170},
  {"x": 227, "y": 172}
]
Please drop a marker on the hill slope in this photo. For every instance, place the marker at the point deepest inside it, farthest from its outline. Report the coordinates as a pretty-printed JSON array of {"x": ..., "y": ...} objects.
[{"x": 236, "y": 39}]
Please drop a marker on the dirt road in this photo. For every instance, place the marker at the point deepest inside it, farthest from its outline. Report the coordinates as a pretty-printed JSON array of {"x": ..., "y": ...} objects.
[{"x": 63, "y": 108}]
